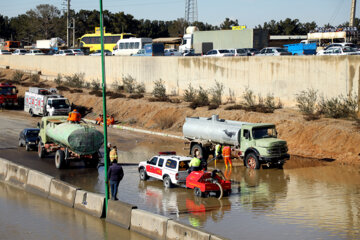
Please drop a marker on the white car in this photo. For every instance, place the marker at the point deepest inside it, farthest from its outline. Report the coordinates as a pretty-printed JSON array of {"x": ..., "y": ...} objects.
[
  {"x": 219, "y": 53},
  {"x": 339, "y": 51},
  {"x": 273, "y": 51},
  {"x": 34, "y": 52},
  {"x": 98, "y": 53},
  {"x": 77, "y": 52},
  {"x": 5, "y": 52},
  {"x": 166, "y": 166},
  {"x": 172, "y": 52},
  {"x": 64, "y": 53},
  {"x": 20, "y": 52}
]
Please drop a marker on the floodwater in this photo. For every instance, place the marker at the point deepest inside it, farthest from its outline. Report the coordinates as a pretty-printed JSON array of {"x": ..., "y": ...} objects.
[{"x": 308, "y": 199}]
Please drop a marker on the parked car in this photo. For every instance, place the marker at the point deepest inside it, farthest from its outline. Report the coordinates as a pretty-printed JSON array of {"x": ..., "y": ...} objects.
[
  {"x": 239, "y": 52},
  {"x": 77, "y": 52},
  {"x": 273, "y": 51},
  {"x": 19, "y": 52},
  {"x": 29, "y": 138},
  {"x": 219, "y": 53},
  {"x": 64, "y": 53},
  {"x": 252, "y": 51},
  {"x": 98, "y": 53},
  {"x": 339, "y": 51},
  {"x": 344, "y": 44},
  {"x": 5, "y": 52},
  {"x": 172, "y": 52},
  {"x": 34, "y": 52},
  {"x": 166, "y": 166}
]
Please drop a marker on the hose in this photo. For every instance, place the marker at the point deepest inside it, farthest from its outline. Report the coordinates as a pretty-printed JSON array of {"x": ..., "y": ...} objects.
[{"x": 221, "y": 190}]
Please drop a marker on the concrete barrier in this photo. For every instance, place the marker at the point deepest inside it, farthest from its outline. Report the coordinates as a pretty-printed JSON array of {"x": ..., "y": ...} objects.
[
  {"x": 119, "y": 213},
  {"x": 38, "y": 183},
  {"x": 148, "y": 224},
  {"x": 3, "y": 168},
  {"x": 63, "y": 192},
  {"x": 90, "y": 203},
  {"x": 17, "y": 175},
  {"x": 214, "y": 237},
  {"x": 176, "y": 230}
]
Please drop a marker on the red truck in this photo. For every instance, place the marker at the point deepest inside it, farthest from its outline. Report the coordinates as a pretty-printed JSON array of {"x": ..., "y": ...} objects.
[{"x": 8, "y": 95}]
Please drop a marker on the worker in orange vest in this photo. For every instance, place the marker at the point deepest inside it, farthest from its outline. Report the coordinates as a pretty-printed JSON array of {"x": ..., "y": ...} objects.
[
  {"x": 110, "y": 120},
  {"x": 74, "y": 116},
  {"x": 226, "y": 152}
]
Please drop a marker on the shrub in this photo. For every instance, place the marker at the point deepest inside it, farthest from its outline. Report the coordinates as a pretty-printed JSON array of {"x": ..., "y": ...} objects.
[
  {"x": 189, "y": 94},
  {"x": 136, "y": 96},
  {"x": 216, "y": 93},
  {"x": 202, "y": 99},
  {"x": 58, "y": 79},
  {"x": 140, "y": 88},
  {"x": 338, "y": 107},
  {"x": 17, "y": 76},
  {"x": 35, "y": 78},
  {"x": 231, "y": 97},
  {"x": 159, "y": 91},
  {"x": 306, "y": 101},
  {"x": 116, "y": 86},
  {"x": 76, "y": 80},
  {"x": 129, "y": 84},
  {"x": 249, "y": 98},
  {"x": 165, "y": 122},
  {"x": 95, "y": 85}
]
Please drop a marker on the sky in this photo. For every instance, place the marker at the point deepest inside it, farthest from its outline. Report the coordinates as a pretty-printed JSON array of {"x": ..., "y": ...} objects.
[{"x": 248, "y": 12}]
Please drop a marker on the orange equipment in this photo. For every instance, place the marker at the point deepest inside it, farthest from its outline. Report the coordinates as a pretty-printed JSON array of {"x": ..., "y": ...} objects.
[
  {"x": 226, "y": 152},
  {"x": 74, "y": 116},
  {"x": 110, "y": 120}
]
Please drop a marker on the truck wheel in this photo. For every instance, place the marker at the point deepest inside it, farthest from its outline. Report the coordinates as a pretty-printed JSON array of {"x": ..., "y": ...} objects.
[
  {"x": 143, "y": 175},
  {"x": 252, "y": 161},
  {"x": 167, "y": 182},
  {"x": 60, "y": 159},
  {"x": 27, "y": 147},
  {"x": 198, "y": 193},
  {"x": 41, "y": 150},
  {"x": 31, "y": 113},
  {"x": 20, "y": 143},
  {"x": 203, "y": 151}
]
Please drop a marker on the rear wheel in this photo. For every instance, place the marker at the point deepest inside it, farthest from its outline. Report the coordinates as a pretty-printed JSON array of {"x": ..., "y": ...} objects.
[
  {"x": 20, "y": 143},
  {"x": 252, "y": 161},
  {"x": 203, "y": 151},
  {"x": 31, "y": 113},
  {"x": 27, "y": 147},
  {"x": 198, "y": 192},
  {"x": 41, "y": 150},
  {"x": 167, "y": 182},
  {"x": 60, "y": 159},
  {"x": 143, "y": 175}
]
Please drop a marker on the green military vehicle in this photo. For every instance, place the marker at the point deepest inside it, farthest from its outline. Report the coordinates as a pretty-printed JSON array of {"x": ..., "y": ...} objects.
[
  {"x": 255, "y": 143},
  {"x": 69, "y": 141}
]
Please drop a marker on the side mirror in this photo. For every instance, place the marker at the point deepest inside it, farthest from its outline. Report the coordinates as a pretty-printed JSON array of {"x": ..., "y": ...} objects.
[{"x": 247, "y": 135}]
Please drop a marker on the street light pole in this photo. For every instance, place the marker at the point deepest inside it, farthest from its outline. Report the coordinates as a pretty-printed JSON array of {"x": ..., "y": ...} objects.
[{"x": 104, "y": 107}]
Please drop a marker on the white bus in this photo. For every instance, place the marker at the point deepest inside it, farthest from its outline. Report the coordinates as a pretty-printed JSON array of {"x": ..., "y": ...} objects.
[{"x": 130, "y": 46}]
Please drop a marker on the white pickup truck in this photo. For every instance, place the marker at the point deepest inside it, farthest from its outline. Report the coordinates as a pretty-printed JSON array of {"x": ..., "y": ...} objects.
[{"x": 166, "y": 166}]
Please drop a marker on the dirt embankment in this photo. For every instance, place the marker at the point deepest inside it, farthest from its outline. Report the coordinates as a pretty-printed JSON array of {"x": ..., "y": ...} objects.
[{"x": 328, "y": 139}]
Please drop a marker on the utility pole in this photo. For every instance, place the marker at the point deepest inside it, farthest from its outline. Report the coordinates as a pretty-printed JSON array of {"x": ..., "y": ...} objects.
[
  {"x": 73, "y": 29},
  {"x": 352, "y": 14},
  {"x": 68, "y": 24}
]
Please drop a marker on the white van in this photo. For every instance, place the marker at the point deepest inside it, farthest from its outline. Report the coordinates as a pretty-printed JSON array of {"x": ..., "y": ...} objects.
[{"x": 130, "y": 46}]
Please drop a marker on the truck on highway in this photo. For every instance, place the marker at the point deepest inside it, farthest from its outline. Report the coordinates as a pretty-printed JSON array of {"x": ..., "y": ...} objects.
[
  {"x": 8, "y": 95},
  {"x": 254, "y": 143},
  {"x": 50, "y": 44},
  {"x": 69, "y": 141},
  {"x": 223, "y": 39},
  {"x": 45, "y": 102},
  {"x": 301, "y": 48}
]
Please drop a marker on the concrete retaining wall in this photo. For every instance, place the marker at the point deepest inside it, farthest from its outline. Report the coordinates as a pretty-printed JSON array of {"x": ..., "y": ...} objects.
[
  {"x": 38, "y": 183},
  {"x": 282, "y": 76},
  {"x": 90, "y": 203},
  {"x": 16, "y": 175},
  {"x": 3, "y": 168},
  {"x": 63, "y": 192},
  {"x": 149, "y": 224},
  {"x": 176, "y": 230},
  {"x": 119, "y": 213}
]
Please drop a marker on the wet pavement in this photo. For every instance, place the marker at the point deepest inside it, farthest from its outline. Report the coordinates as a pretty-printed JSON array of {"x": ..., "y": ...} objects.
[{"x": 308, "y": 199}]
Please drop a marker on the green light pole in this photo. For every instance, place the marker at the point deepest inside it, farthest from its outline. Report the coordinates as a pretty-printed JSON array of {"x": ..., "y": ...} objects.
[{"x": 104, "y": 106}]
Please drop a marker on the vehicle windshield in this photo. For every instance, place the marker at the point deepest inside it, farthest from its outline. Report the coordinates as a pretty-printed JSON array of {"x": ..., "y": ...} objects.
[
  {"x": 224, "y": 51},
  {"x": 183, "y": 165},
  {"x": 32, "y": 133},
  {"x": 37, "y": 51},
  {"x": 281, "y": 50},
  {"x": 5, "y": 51},
  {"x": 67, "y": 51},
  {"x": 264, "y": 132},
  {"x": 349, "y": 49},
  {"x": 60, "y": 103},
  {"x": 76, "y": 51},
  {"x": 7, "y": 90}
]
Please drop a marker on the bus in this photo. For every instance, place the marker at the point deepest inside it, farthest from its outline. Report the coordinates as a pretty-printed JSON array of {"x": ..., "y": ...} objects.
[
  {"x": 130, "y": 46},
  {"x": 92, "y": 41},
  {"x": 10, "y": 45}
]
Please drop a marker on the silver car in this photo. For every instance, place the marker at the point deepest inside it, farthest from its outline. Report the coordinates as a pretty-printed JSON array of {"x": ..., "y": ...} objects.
[
  {"x": 339, "y": 51},
  {"x": 219, "y": 53},
  {"x": 273, "y": 51}
]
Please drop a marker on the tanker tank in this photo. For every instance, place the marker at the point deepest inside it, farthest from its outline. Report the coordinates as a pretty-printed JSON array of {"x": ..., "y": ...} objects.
[
  {"x": 79, "y": 138},
  {"x": 213, "y": 130}
]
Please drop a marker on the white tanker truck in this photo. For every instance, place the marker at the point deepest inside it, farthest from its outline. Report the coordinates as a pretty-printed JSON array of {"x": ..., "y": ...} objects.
[{"x": 254, "y": 143}]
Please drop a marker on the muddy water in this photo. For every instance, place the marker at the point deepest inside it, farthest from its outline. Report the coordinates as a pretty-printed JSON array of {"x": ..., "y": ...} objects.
[{"x": 27, "y": 216}]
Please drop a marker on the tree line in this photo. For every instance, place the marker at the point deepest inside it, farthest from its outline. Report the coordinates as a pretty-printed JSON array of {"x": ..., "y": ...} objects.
[{"x": 47, "y": 21}]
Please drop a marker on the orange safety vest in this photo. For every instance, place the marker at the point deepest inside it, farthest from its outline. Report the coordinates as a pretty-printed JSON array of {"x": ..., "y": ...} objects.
[
  {"x": 113, "y": 155},
  {"x": 226, "y": 152},
  {"x": 74, "y": 117}
]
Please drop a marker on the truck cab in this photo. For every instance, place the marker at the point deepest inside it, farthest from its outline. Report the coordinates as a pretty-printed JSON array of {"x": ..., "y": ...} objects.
[{"x": 8, "y": 95}]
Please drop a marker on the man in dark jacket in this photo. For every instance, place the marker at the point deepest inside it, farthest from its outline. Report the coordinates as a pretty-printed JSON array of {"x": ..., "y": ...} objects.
[{"x": 115, "y": 175}]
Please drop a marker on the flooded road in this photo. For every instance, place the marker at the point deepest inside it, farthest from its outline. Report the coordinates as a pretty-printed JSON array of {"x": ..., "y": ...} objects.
[{"x": 308, "y": 199}]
